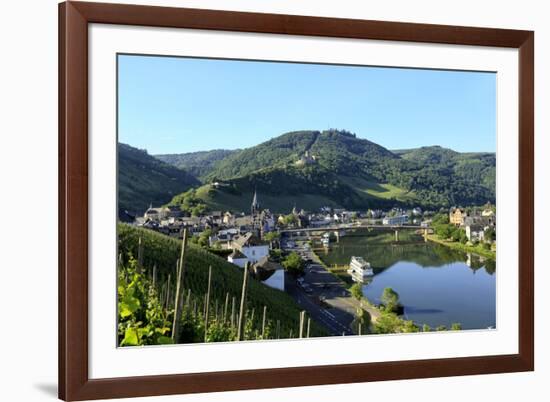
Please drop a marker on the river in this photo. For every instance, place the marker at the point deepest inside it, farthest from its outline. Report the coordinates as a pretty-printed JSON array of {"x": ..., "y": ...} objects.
[{"x": 436, "y": 285}]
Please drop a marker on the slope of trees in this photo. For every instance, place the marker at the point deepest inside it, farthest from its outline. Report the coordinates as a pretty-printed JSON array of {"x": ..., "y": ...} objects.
[
  {"x": 143, "y": 179},
  {"x": 199, "y": 164},
  {"x": 344, "y": 168}
]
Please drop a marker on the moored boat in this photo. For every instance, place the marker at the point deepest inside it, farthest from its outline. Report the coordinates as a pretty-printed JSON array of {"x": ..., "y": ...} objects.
[{"x": 359, "y": 269}]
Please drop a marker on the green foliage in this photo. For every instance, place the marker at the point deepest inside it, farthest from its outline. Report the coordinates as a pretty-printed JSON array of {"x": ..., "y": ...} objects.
[
  {"x": 142, "y": 320},
  {"x": 276, "y": 255},
  {"x": 426, "y": 328},
  {"x": 440, "y": 219},
  {"x": 362, "y": 319},
  {"x": 189, "y": 202},
  {"x": 490, "y": 234},
  {"x": 456, "y": 326},
  {"x": 349, "y": 172},
  {"x": 357, "y": 291},
  {"x": 390, "y": 323},
  {"x": 390, "y": 299},
  {"x": 199, "y": 164},
  {"x": 294, "y": 264},
  {"x": 143, "y": 180},
  {"x": 290, "y": 219},
  {"x": 163, "y": 251}
]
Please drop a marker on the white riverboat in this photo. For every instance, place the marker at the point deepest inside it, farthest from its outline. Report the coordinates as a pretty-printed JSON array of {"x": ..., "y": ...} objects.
[{"x": 359, "y": 269}]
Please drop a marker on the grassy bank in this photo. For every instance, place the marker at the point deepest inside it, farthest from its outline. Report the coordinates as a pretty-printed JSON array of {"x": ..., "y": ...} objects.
[{"x": 479, "y": 250}]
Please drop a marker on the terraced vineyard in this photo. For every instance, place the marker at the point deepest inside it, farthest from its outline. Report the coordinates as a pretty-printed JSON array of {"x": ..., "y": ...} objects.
[{"x": 150, "y": 270}]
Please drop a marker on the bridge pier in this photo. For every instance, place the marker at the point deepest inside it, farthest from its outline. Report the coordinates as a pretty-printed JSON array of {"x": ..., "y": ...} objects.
[{"x": 396, "y": 235}]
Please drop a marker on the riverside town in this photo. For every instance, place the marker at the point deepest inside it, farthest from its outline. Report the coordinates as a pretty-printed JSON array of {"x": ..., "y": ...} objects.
[{"x": 234, "y": 225}]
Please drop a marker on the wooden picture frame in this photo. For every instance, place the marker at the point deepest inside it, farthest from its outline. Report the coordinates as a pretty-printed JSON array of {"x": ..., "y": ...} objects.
[{"x": 74, "y": 381}]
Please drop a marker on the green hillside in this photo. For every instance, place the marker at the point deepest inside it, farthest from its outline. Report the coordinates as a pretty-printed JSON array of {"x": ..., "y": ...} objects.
[
  {"x": 222, "y": 199},
  {"x": 310, "y": 169},
  {"x": 199, "y": 164},
  {"x": 143, "y": 179},
  {"x": 350, "y": 172},
  {"x": 441, "y": 176},
  {"x": 335, "y": 151},
  {"x": 163, "y": 252}
]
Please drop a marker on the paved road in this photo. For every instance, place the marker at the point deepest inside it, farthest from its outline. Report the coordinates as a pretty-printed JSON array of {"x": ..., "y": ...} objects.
[{"x": 327, "y": 302}]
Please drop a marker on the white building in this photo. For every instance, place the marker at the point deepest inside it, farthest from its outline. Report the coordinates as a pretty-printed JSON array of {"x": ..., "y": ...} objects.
[
  {"x": 270, "y": 273},
  {"x": 251, "y": 246},
  {"x": 395, "y": 220},
  {"x": 475, "y": 232},
  {"x": 237, "y": 258}
]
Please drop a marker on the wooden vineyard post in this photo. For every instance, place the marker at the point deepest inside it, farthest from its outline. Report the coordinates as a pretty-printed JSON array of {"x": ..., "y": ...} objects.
[
  {"x": 233, "y": 312},
  {"x": 168, "y": 293},
  {"x": 240, "y": 328},
  {"x": 302, "y": 319},
  {"x": 224, "y": 316},
  {"x": 308, "y": 327},
  {"x": 263, "y": 322},
  {"x": 207, "y": 302},
  {"x": 140, "y": 255},
  {"x": 178, "y": 300},
  {"x": 188, "y": 299},
  {"x": 154, "y": 275}
]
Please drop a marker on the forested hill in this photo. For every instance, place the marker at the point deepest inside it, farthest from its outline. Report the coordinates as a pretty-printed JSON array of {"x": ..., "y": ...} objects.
[
  {"x": 199, "y": 164},
  {"x": 143, "y": 179},
  {"x": 333, "y": 167},
  {"x": 337, "y": 151},
  {"x": 473, "y": 172}
]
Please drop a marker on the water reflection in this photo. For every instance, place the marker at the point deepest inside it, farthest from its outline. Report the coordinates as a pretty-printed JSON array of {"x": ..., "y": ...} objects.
[{"x": 437, "y": 285}]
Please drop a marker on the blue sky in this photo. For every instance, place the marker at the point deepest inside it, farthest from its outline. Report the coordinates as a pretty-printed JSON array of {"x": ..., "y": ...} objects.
[{"x": 177, "y": 105}]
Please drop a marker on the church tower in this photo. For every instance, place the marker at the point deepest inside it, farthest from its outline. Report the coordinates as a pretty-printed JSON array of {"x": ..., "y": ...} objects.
[{"x": 255, "y": 207}]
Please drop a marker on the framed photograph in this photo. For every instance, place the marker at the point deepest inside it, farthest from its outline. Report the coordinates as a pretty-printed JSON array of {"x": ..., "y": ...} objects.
[{"x": 261, "y": 200}]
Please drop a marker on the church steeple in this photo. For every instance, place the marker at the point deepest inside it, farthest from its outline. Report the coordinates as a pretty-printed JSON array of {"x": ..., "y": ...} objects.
[{"x": 255, "y": 207}]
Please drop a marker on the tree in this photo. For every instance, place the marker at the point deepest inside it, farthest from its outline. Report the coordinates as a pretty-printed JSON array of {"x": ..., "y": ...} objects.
[
  {"x": 357, "y": 291},
  {"x": 204, "y": 238},
  {"x": 290, "y": 219},
  {"x": 490, "y": 234},
  {"x": 362, "y": 322},
  {"x": 390, "y": 323},
  {"x": 440, "y": 219},
  {"x": 444, "y": 231},
  {"x": 271, "y": 237},
  {"x": 456, "y": 326},
  {"x": 426, "y": 328},
  {"x": 294, "y": 264},
  {"x": 441, "y": 328},
  {"x": 390, "y": 299}
]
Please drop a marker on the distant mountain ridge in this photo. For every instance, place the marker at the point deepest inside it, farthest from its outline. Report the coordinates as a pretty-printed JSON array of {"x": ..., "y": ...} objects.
[{"x": 200, "y": 163}]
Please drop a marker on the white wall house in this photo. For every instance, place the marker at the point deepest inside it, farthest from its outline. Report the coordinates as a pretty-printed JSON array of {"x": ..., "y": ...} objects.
[
  {"x": 237, "y": 258},
  {"x": 253, "y": 248},
  {"x": 270, "y": 273},
  {"x": 255, "y": 253},
  {"x": 395, "y": 220},
  {"x": 475, "y": 232},
  {"x": 277, "y": 280}
]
